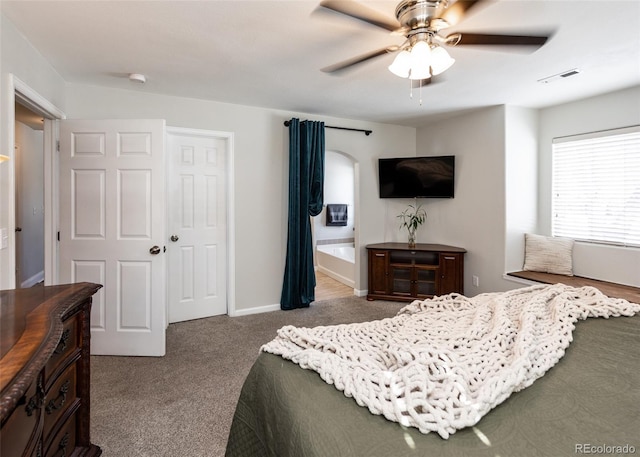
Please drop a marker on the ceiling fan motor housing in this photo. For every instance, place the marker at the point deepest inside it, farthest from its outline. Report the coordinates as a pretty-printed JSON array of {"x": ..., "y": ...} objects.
[{"x": 421, "y": 14}]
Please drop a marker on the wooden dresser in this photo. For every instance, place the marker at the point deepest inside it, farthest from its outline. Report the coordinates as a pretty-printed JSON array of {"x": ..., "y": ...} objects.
[{"x": 45, "y": 370}]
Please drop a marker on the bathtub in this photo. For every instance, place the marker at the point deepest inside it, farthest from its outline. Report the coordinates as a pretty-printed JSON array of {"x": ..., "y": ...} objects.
[{"x": 338, "y": 261}]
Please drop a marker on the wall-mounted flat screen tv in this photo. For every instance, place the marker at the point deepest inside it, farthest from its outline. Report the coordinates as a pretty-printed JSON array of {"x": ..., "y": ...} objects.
[{"x": 416, "y": 177}]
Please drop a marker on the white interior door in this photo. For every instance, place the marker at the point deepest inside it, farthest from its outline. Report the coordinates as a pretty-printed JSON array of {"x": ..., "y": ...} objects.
[
  {"x": 112, "y": 229},
  {"x": 197, "y": 224}
]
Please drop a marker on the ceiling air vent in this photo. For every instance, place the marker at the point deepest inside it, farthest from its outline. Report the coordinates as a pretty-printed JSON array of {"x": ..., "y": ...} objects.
[{"x": 559, "y": 76}]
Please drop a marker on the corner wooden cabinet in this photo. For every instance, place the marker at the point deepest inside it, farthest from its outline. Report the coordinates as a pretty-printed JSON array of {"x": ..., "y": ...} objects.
[
  {"x": 398, "y": 272},
  {"x": 45, "y": 371}
]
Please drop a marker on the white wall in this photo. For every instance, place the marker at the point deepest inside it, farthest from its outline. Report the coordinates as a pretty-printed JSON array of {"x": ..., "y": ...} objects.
[
  {"x": 503, "y": 189},
  {"x": 521, "y": 182},
  {"x": 371, "y": 218},
  {"x": 261, "y": 171},
  {"x": 19, "y": 58},
  {"x": 614, "y": 110},
  {"x": 475, "y": 218}
]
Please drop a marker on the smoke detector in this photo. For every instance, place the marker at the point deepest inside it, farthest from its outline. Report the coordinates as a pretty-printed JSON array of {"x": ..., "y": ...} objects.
[{"x": 137, "y": 77}]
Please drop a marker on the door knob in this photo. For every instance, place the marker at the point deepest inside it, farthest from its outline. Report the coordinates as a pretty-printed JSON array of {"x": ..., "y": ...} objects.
[
  {"x": 174, "y": 238},
  {"x": 155, "y": 250}
]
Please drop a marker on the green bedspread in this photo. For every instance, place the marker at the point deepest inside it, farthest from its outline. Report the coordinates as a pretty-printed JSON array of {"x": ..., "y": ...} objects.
[{"x": 588, "y": 402}]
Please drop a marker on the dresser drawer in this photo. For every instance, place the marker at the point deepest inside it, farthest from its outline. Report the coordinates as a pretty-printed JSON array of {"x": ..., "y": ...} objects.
[
  {"x": 64, "y": 443},
  {"x": 20, "y": 431},
  {"x": 68, "y": 343},
  {"x": 60, "y": 397}
]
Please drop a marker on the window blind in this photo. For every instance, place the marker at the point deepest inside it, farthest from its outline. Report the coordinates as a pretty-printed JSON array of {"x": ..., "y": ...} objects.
[{"x": 596, "y": 187}]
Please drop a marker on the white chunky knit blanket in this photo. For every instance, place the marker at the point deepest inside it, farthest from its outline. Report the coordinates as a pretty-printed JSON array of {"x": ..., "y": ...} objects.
[{"x": 441, "y": 364}]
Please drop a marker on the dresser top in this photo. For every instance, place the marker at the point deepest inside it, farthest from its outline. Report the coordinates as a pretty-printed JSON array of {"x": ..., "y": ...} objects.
[{"x": 425, "y": 247}]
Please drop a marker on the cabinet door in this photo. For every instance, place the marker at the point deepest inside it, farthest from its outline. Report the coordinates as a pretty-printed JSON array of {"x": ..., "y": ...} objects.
[
  {"x": 451, "y": 273},
  {"x": 378, "y": 272},
  {"x": 402, "y": 280},
  {"x": 425, "y": 281}
]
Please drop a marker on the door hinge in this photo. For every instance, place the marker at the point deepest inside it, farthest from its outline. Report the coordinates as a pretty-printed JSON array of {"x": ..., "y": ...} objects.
[
  {"x": 58, "y": 236},
  {"x": 58, "y": 145}
]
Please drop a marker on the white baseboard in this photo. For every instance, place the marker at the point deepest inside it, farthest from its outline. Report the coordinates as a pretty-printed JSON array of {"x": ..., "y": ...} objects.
[
  {"x": 346, "y": 281},
  {"x": 276, "y": 307},
  {"x": 360, "y": 293},
  {"x": 33, "y": 280},
  {"x": 256, "y": 310}
]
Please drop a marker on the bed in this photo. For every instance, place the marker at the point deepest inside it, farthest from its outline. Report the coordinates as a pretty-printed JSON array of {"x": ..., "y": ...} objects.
[{"x": 588, "y": 403}]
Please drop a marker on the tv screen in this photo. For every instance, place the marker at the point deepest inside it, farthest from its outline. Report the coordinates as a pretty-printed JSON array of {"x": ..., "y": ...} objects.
[{"x": 411, "y": 177}]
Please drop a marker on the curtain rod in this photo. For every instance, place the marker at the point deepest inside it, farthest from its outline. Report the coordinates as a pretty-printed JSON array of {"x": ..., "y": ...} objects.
[{"x": 366, "y": 132}]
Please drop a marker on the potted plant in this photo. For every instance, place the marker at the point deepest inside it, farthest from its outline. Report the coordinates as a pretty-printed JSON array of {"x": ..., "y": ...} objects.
[{"x": 412, "y": 218}]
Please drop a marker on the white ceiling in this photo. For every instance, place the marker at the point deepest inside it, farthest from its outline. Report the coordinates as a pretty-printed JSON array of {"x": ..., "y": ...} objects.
[{"x": 269, "y": 53}]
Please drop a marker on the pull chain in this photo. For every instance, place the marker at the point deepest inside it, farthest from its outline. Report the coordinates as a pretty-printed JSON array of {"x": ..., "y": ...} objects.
[{"x": 419, "y": 90}]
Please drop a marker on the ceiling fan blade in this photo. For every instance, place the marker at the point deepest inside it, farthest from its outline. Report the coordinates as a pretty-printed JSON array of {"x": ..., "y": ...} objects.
[
  {"x": 471, "y": 39},
  {"x": 456, "y": 12},
  {"x": 362, "y": 13},
  {"x": 359, "y": 59}
]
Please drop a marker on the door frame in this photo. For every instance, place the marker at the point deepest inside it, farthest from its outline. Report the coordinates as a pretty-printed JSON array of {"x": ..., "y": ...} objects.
[
  {"x": 230, "y": 204},
  {"x": 19, "y": 91}
]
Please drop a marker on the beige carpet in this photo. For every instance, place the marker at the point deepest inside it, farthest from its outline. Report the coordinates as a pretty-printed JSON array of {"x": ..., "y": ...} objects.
[{"x": 182, "y": 404}]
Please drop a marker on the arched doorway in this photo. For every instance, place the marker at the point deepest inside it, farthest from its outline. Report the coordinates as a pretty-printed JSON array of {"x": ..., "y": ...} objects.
[{"x": 334, "y": 233}]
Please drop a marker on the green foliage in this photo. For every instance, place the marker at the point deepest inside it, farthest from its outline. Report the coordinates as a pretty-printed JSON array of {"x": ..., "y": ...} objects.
[{"x": 412, "y": 217}]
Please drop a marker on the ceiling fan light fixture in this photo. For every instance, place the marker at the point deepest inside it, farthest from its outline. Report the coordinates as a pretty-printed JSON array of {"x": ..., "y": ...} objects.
[
  {"x": 420, "y": 53},
  {"x": 401, "y": 65},
  {"x": 420, "y": 73},
  {"x": 420, "y": 61},
  {"x": 441, "y": 61}
]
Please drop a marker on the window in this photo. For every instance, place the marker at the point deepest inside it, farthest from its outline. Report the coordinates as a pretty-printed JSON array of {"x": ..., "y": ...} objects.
[{"x": 596, "y": 187}]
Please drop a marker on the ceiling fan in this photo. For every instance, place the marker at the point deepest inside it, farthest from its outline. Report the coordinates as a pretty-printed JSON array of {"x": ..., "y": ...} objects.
[{"x": 423, "y": 23}]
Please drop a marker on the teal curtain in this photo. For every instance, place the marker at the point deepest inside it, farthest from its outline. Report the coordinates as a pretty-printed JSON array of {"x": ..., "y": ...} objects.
[{"x": 306, "y": 179}]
